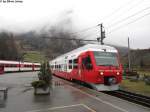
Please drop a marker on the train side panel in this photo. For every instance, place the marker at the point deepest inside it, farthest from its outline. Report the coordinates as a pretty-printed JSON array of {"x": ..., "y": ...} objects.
[{"x": 16, "y": 66}]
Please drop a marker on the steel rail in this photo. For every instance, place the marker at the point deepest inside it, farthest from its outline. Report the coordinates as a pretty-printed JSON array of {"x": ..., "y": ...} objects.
[{"x": 132, "y": 97}]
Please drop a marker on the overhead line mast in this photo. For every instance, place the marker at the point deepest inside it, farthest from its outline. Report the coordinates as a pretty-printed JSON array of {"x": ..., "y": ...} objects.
[{"x": 102, "y": 34}]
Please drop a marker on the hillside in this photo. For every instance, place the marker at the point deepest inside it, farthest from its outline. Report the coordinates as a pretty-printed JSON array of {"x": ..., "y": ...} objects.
[
  {"x": 33, "y": 56},
  {"x": 35, "y": 47},
  {"x": 141, "y": 58}
]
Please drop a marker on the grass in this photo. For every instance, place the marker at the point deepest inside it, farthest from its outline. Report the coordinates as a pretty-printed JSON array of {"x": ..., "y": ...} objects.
[
  {"x": 34, "y": 56},
  {"x": 137, "y": 87},
  {"x": 144, "y": 72}
]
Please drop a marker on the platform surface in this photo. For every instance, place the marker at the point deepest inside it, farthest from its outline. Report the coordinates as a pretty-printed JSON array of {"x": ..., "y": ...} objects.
[{"x": 65, "y": 97}]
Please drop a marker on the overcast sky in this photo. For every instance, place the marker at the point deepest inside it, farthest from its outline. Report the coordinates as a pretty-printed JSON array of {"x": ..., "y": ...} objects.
[{"x": 116, "y": 16}]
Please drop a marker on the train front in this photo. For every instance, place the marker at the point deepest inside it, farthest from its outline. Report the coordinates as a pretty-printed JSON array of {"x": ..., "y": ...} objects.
[{"x": 108, "y": 70}]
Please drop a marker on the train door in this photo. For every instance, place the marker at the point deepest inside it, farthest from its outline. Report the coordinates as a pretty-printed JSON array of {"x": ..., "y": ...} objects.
[
  {"x": 86, "y": 67},
  {"x": 33, "y": 66},
  {"x": 79, "y": 66},
  {"x": 1, "y": 68}
]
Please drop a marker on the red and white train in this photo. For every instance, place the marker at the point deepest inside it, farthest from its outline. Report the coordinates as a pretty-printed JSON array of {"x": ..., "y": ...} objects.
[
  {"x": 93, "y": 64},
  {"x": 16, "y": 66}
]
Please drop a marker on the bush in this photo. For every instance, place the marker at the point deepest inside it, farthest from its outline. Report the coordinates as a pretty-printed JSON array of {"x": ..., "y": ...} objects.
[
  {"x": 39, "y": 83},
  {"x": 45, "y": 76}
]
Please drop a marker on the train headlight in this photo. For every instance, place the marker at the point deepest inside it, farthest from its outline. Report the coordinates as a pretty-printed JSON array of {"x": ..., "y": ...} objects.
[
  {"x": 101, "y": 73},
  {"x": 118, "y": 73}
]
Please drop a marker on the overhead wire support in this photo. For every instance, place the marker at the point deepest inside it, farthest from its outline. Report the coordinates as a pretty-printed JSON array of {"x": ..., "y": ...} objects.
[
  {"x": 84, "y": 30},
  {"x": 71, "y": 39},
  {"x": 129, "y": 57},
  {"x": 102, "y": 34}
]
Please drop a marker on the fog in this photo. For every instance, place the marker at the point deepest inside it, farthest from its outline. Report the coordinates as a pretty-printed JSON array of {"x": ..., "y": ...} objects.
[{"x": 77, "y": 15}]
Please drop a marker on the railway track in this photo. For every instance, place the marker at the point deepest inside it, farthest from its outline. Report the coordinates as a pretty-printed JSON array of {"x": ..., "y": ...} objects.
[
  {"x": 132, "y": 97},
  {"x": 129, "y": 96}
]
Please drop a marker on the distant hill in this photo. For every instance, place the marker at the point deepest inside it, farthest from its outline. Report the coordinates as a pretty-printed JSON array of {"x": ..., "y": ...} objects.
[
  {"x": 52, "y": 48},
  {"x": 141, "y": 57},
  {"x": 123, "y": 51},
  {"x": 31, "y": 46},
  {"x": 47, "y": 44},
  {"x": 33, "y": 56}
]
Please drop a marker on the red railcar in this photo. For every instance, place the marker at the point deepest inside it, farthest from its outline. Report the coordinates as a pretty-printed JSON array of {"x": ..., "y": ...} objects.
[
  {"x": 15, "y": 66},
  {"x": 96, "y": 65}
]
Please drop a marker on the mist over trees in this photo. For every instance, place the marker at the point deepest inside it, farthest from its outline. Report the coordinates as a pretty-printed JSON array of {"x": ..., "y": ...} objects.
[
  {"x": 52, "y": 43},
  {"x": 55, "y": 42},
  {"x": 9, "y": 48},
  {"x": 43, "y": 41}
]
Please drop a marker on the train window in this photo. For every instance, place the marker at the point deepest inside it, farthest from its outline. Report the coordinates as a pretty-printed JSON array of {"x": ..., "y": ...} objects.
[
  {"x": 86, "y": 62},
  {"x": 14, "y": 65},
  {"x": 70, "y": 66},
  {"x": 28, "y": 66},
  {"x": 10, "y": 65},
  {"x": 1, "y": 65},
  {"x": 70, "y": 61},
  {"x": 106, "y": 58},
  {"x": 6, "y": 65},
  {"x": 75, "y": 66},
  {"x": 75, "y": 63},
  {"x": 59, "y": 67}
]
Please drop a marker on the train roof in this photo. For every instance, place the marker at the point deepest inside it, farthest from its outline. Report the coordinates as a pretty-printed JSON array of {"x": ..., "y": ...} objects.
[
  {"x": 88, "y": 47},
  {"x": 8, "y": 62},
  {"x": 37, "y": 63},
  {"x": 16, "y": 62}
]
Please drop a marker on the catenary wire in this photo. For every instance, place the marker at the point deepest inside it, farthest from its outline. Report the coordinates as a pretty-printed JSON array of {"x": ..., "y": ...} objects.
[
  {"x": 133, "y": 6},
  {"x": 135, "y": 20},
  {"x": 126, "y": 18}
]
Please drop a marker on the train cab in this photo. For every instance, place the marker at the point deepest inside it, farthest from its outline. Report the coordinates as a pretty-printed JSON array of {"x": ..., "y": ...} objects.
[
  {"x": 96, "y": 65},
  {"x": 100, "y": 67}
]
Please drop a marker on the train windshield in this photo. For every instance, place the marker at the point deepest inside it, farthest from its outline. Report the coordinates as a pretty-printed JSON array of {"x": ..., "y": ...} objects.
[{"x": 106, "y": 58}]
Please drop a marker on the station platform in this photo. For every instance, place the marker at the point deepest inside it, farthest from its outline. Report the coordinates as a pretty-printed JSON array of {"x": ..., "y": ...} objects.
[{"x": 65, "y": 97}]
